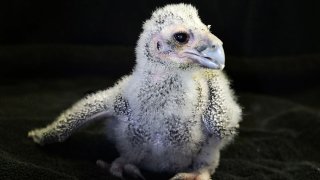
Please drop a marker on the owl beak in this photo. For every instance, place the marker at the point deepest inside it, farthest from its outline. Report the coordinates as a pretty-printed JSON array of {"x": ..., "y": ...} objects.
[{"x": 209, "y": 57}]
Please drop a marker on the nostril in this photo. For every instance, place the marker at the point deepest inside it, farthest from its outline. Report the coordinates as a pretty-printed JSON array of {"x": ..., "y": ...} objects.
[
  {"x": 201, "y": 48},
  {"x": 213, "y": 46}
]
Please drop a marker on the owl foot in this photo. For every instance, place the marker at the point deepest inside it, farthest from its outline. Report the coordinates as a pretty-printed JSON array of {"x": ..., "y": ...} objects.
[
  {"x": 121, "y": 169},
  {"x": 192, "y": 176}
]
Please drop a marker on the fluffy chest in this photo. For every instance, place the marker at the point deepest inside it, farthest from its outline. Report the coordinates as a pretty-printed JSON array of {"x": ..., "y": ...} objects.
[
  {"x": 168, "y": 119},
  {"x": 159, "y": 112}
]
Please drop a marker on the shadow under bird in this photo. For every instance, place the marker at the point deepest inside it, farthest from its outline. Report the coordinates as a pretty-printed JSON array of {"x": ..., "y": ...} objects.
[{"x": 173, "y": 113}]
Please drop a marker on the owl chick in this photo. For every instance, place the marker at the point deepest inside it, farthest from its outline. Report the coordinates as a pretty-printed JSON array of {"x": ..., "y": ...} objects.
[{"x": 174, "y": 113}]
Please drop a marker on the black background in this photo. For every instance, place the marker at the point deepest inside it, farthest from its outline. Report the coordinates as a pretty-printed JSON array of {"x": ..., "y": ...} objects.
[
  {"x": 53, "y": 53},
  {"x": 271, "y": 46},
  {"x": 247, "y": 28}
]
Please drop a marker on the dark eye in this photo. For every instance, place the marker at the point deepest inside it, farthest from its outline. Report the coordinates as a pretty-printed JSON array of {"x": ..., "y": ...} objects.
[{"x": 181, "y": 37}]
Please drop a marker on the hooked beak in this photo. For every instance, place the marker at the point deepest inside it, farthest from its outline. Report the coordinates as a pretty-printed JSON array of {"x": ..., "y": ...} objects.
[{"x": 210, "y": 57}]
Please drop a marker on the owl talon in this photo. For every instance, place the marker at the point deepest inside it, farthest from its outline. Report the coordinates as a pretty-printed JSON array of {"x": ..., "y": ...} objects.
[
  {"x": 121, "y": 169},
  {"x": 102, "y": 164},
  {"x": 192, "y": 176},
  {"x": 133, "y": 171}
]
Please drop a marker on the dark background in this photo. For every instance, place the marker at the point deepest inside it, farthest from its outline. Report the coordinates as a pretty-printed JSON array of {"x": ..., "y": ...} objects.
[
  {"x": 273, "y": 44},
  {"x": 52, "y": 53},
  {"x": 248, "y": 28}
]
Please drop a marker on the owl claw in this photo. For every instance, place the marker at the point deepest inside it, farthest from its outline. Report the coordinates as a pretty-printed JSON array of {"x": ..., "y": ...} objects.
[
  {"x": 133, "y": 171},
  {"x": 121, "y": 169},
  {"x": 192, "y": 176}
]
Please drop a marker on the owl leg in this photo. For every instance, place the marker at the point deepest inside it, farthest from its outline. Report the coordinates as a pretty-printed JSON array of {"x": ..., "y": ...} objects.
[
  {"x": 205, "y": 163},
  {"x": 201, "y": 170},
  {"x": 203, "y": 175},
  {"x": 120, "y": 168}
]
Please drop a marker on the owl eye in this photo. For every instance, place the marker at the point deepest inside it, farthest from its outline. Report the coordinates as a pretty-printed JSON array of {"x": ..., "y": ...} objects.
[{"x": 181, "y": 37}]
